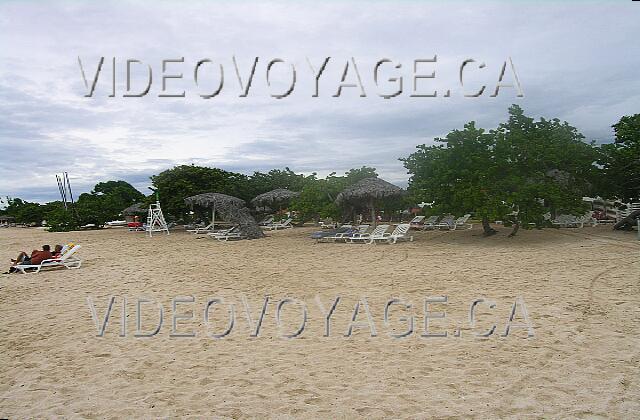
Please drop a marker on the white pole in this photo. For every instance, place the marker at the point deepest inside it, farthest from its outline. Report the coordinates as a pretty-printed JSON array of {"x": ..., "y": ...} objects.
[{"x": 213, "y": 217}]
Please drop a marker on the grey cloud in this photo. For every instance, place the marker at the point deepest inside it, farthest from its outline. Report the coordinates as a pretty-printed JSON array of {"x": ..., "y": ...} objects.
[{"x": 575, "y": 63}]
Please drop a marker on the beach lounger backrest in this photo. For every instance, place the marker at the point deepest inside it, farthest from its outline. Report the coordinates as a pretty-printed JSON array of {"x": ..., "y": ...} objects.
[
  {"x": 417, "y": 219},
  {"x": 70, "y": 251},
  {"x": 431, "y": 220},
  {"x": 448, "y": 220},
  {"x": 462, "y": 219},
  {"x": 401, "y": 229},
  {"x": 363, "y": 228},
  {"x": 66, "y": 248},
  {"x": 379, "y": 230}
]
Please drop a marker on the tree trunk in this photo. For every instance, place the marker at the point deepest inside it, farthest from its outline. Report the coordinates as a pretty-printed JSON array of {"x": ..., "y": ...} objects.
[
  {"x": 488, "y": 230},
  {"x": 516, "y": 227}
]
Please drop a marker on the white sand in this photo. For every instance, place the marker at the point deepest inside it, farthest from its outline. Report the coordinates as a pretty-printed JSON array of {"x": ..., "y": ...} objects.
[{"x": 581, "y": 289}]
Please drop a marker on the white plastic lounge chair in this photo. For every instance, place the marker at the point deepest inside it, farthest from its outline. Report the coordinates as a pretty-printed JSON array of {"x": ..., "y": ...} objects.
[
  {"x": 461, "y": 222},
  {"x": 230, "y": 236},
  {"x": 266, "y": 221},
  {"x": 447, "y": 222},
  {"x": 327, "y": 224},
  {"x": 227, "y": 234},
  {"x": 589, "y": 220},
  {"x": 567, "y": 221},
  {"x": 284, "y": 225},
  {"x": 417, "y": 219},
  {"x": 222, "y": 232},
  {"x": 344, "y": 236},
  {"x": 398, "y": 234},
  {"x": 366, "y": 237},
  {"x": 430, "y": 223},
  {"x": 417, "y": 222},
  {"x": 66, "y": 260},
  {"x": 202, "y": 230},
  {"x": 363, "y": 228}
]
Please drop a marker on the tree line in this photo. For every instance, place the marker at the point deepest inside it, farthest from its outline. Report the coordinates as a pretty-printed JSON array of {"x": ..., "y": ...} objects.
[
  {"x": 516, "y": 172},
  {"x": 107, "y": 200},
  {"x": 524, "y": 169}
]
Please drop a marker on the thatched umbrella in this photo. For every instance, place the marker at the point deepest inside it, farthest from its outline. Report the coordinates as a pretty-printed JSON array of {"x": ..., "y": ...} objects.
[
  {"x": 214, "y": 200},
  {"x": 231, "y": 208},
  {"x": 134, "y": 210},
  {"x": 369, "y": 190},
  {"x": 278, "y": 197}
]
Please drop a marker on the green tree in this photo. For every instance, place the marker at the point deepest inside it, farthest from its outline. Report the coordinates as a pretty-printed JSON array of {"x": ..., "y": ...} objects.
[
  {"x": 317, "y": 198},
  {"x": 545, "y": 166},
  {"x": 60, "y": 219},
  {"x": 277, "y": 178},
  {"x": 518, "y": 172},
  {"x": 458, "y": 175},
  {"x": 104, "y": 203},
  {"x": 357, "y": 174},
  {"x": 180, "y": 182},
  {"x": 24, "y": 211},
  {"x": 119, "y": 191},
  {"x": 621, "y": 161}
]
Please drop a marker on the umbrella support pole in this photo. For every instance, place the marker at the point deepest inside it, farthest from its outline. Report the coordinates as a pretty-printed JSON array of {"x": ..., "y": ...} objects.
[{"x": 373, "y": 215}]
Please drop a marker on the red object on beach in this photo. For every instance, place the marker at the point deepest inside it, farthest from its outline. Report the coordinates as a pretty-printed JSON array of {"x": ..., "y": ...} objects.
[{"x": 134, "y": 224}]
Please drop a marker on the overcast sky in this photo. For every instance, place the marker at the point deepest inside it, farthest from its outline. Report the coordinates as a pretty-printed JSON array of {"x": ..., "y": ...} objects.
[{"x": 577, "y": 61}]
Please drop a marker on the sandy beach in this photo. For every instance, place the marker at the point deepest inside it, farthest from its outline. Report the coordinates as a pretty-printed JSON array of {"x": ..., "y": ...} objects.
[{"x": 580, "y": 288}]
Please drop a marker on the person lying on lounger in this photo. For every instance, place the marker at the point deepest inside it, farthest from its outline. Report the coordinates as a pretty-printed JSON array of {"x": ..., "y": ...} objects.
[
  {"x": 57, "y": 251},
  {"x": 36, "y": 256}
]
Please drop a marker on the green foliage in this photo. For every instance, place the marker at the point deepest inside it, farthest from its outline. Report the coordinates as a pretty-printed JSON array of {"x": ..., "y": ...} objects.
[
  {"x": 524, "y": 167},
  {"x": 276, "y": 178},
  {"x": 354, "y": 175},
  {"x": 518, "y": 171},
  {"x": 316, "y": 201},
  {"x": 103, "y": 204},
  {"x": 119, "y": 192},
  {"x": 317, "y": 198},
  {"x": 458, "y": 175},
  {"x": 24, "y": 211},
  {"x": 621, "y": 161},
  {"x": 61, "y": 220},
  {"x": 180, "y": 182}
]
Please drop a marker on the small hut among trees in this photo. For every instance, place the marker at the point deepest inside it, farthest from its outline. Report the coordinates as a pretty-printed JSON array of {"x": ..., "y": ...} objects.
[
  {"x": 274, "y": 199},
  {"x": 138, "y": 209},
  {"x": 370, "y": 192},
  {"x": 7, "y": 221}
]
